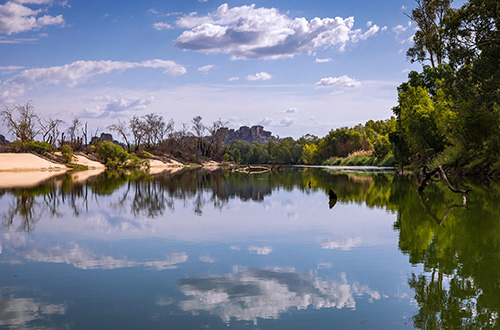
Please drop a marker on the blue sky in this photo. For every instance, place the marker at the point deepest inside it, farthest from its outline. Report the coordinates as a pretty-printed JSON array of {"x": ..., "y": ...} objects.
[{"x": 295, "y": 67}]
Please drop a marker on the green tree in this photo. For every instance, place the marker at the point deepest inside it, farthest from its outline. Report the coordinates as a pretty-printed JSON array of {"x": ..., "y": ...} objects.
[{"x": 429, "y": 42}]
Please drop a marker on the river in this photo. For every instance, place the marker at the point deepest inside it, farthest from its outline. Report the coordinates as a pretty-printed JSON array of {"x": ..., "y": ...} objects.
[{"x": 201, "y": 249}]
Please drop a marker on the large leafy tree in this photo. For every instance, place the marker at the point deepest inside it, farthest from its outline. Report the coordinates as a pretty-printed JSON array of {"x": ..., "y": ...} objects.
[{"x": 430, "y": 40}]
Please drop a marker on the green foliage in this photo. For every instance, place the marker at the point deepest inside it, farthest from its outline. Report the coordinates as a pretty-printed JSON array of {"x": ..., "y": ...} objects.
[
  {"x": 67, "y": 154},
  {"x": 449, "y": 114},
  {"x": 114, "y": 156},
  {"x": 31, "y": 146}
]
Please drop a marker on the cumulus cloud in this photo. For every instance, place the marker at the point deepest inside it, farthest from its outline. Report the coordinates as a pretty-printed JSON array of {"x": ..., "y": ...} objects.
[
  {"x": 323, "y": 60},
  {"x": 248, "y": 32},
  {"x": 259, "y": 76},
  {"x": 16, "y": 18},
  {"x": 117, "y": 105},
  {"x": 77, "y": 73},
  {"x": 159, "y": 26},
  {"x": 206, "y": 68},
  {"x": 285, "y": 122},
  {"x": 343, "y": 81},
  {"x": 234, "y": 78}
]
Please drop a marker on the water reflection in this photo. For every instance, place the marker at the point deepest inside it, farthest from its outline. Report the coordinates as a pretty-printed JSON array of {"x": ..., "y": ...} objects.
[
  {"x": 250, "y": 294},
  {"x": 18, "y": 312},
  {"x": 260, "y": 216},
  {"x": 80, "y": 257}
]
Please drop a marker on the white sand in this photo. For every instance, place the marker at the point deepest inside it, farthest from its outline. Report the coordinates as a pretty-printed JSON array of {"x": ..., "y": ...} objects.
[
  {"x": 82, "y": 160},
  {"x": 159, "y": 163},
  {"x": 26, "y": 162}
]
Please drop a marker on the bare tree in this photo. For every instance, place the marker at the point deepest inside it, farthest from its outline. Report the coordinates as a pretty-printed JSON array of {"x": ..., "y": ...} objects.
[
  {"x": 199, "y": 130},
  {"x": 73, "y": 129},
  {"x": 85, "y": 132},
  {"x": 122, "y": 129},
  {"x": 24, "y": 127},
  {"x": 50, "y": 129},
  {"x": 137, "y": 128}
]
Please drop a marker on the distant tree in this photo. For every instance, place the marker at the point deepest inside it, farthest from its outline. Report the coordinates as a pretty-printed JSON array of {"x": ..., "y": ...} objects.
[{"x": 23, "y": 127}]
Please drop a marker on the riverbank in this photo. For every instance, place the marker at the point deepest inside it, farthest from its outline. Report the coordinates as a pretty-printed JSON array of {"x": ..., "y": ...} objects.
[{"x": 27, "y": 169}]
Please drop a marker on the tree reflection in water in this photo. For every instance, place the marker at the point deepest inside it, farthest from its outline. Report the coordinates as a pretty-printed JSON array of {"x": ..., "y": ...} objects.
[{"x": 459, "y": 247}]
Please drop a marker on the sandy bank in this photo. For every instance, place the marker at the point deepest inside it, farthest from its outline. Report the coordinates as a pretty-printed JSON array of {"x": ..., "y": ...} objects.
[{"x": 27, "y": 162}]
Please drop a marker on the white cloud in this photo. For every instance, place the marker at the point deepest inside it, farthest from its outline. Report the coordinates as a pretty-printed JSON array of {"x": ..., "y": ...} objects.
[
  {"x": 159, "y": 26},
  {"x": 234, "y": 78},
  {"x": 206, "y": 68},
  {"x": 259, "y": 76},
  {"x": 398, "y": 29},
  {"x": 264, "y": 250},
  {"x": 202, "y": 0},
  {"x": 16, "y": 18},
  {"x": 10, "y": 68},
  {"x": 343, "y": 81},
  {"x": 34, "y": 2},
  {"x": 116, "y": 106},
  {"x": 323, "y": 60},
  {"x": 358, "y": 34},
  {"x": 403, "y": 7},
  {"x": 77, "y": 73},
  {"x": 265, "y": 121},
  {"x": 4, "y": 40},
  {"x": 286, "y": 122},
  {"x": 248, "y": 32}
]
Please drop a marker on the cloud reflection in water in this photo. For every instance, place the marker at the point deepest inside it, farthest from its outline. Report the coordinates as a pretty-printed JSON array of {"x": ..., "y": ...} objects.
[{"x": 258, "y": 293}]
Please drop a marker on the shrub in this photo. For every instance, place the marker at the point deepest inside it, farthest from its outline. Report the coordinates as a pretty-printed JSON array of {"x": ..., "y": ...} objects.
[
  {"x": 111, "y": 155},
  {"x": 67, "y": 154},
  {"x": 33, "y": 146}
]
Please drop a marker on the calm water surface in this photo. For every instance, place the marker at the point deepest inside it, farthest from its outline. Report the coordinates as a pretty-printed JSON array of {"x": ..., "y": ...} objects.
[{"x": 212, "y": 250}]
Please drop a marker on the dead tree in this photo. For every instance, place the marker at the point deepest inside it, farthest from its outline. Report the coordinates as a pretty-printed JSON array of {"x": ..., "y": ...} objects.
[{"x": 439, "y": 170}]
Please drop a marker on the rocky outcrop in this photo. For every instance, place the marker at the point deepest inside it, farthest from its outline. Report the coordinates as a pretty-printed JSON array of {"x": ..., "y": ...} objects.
[{"x": 249, "y": 134}]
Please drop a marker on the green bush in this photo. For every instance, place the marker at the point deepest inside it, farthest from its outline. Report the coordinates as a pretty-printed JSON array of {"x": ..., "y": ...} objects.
[
  {"x": 112, "y": 155},
  {"x": 67, "y": 154},
  {"x": 31, "y": 146}
]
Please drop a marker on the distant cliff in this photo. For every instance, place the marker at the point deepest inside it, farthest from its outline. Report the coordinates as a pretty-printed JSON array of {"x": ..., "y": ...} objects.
[{"x": 249, "y": 134}]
